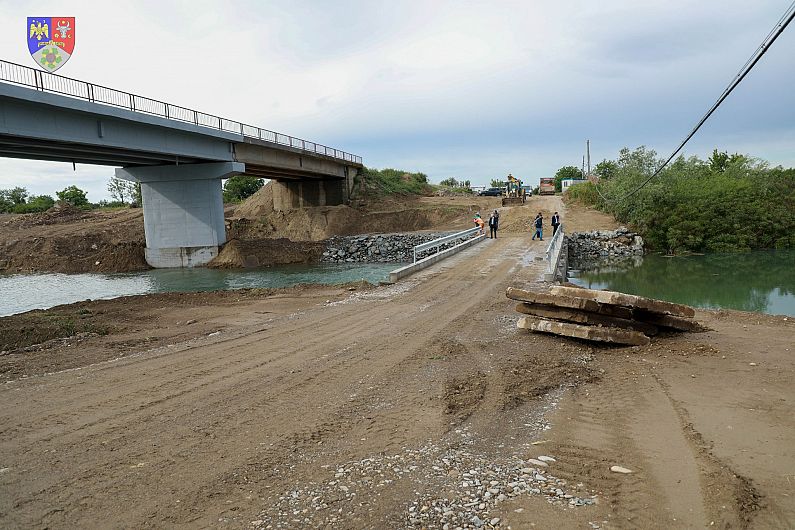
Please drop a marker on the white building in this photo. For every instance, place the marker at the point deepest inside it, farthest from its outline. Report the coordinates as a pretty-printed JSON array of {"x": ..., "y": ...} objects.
[{"x": 565, "y": 183}]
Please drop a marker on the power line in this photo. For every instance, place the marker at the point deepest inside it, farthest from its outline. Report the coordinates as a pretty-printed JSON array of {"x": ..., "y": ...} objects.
[{"x": 771, "y": 37}]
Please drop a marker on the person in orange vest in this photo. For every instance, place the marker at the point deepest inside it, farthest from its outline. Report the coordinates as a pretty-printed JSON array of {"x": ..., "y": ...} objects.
[{"x": 479, "y": 223}]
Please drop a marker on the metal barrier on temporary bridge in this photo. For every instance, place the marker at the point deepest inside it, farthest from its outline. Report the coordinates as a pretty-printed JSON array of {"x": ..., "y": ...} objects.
[{"x": 469, "y": 237}]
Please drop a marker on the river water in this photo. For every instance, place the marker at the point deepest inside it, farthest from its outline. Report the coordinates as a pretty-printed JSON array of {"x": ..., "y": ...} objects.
[
  {"x": 23, "y": 292},
  {"x": 760, "y": 281}
]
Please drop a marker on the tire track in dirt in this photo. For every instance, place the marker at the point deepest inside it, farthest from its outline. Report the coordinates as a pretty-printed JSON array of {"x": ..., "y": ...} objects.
[
  {"x": 627, "y": 421},
  {"x": 722, "y": 486},
  {"x": 159, "y": 408}
]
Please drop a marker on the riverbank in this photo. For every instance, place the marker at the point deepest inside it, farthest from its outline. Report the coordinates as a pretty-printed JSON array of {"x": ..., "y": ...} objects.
[
  {"x": 243, "y": 408},
  {"x": 75, "y": 241}
]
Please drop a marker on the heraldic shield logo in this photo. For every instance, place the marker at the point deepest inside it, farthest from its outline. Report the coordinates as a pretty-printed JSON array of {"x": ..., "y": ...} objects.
[{"x": 51, "y": 40}]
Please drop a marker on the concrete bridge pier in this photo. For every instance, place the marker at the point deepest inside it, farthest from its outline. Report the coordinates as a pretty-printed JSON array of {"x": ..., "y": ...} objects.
[
  {"x": 183, "y": 211},
  {"x": 289, "y": 194}
]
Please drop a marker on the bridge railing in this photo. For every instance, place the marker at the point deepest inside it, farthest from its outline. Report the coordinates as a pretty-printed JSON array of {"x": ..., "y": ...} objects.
[
  {"x": 437, "y": 243},
  {"x": 553, "y": 254},
  {"x": 48, "y": 82}
]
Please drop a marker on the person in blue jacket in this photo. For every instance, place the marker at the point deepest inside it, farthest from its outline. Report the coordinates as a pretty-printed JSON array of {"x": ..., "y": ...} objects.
[{"x": 539, "y": 224}]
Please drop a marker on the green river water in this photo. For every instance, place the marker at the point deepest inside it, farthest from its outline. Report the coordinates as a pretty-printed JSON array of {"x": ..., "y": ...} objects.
[
  {"x": 23, "y": 292},
  {"x": 760, "y": 281}
]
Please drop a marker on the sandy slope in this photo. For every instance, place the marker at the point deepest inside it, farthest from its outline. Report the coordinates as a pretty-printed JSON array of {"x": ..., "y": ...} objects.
[{"x": 395, "y": 393}]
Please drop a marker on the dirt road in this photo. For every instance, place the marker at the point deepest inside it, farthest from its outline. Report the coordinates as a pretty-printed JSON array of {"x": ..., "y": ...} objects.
[{"x": 416, "y": 404}]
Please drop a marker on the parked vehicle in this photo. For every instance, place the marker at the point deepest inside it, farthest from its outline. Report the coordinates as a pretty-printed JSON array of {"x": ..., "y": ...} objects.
[
  {"x": 546, "y": 186},
  {"x": 491, "y": 192}
]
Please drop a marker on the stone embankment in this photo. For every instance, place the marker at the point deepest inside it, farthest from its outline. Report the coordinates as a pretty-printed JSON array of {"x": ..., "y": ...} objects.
[
  {"x": 385, "y": 248},
  {"x": 604, "y": 245}
]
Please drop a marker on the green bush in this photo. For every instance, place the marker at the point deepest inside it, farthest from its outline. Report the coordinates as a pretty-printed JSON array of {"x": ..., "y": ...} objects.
[
  {"x": 729, "y": 203},
  {"x": 241, "y": 187},
  {"x": 396, "y": 182},
  {"x": 74, "y": 196},
  {"x": 40, "y": 203}
]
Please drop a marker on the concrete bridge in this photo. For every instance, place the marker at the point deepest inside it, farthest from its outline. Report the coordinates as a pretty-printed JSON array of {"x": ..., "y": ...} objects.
[{"x": 178, "y": 155}]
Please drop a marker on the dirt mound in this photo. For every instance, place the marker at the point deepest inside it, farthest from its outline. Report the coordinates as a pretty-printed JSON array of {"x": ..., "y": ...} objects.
[
  {"x": 256, "y": 219},
  {"x": 96, "y": 253},
  {"x": 262, "y": 252},
  {"x": 59, "y": 213},
  {"x": 259, "y": 204}
]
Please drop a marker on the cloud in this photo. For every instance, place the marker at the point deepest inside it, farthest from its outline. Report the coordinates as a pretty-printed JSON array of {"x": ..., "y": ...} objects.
[{"x": 465, "y": 89}]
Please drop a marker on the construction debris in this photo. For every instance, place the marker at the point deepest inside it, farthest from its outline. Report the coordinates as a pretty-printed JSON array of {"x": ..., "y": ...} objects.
[
  {"x": 627, "y": 300},
  {"x": 605, "y": 316},
  {"x": 584, "y": 317},
  {"x": 615, "y": 335}
]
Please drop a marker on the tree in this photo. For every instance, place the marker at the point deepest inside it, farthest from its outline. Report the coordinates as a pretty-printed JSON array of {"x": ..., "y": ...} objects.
[
  {"x": 74, "y": 196},
  {"x": 35, "y": 203},
  {"x": 6, "y": 204},
  {"x": 496, "y": 183},
  {"x": 641, "y": 160},
  {"x": 451, "y": 182},
  {"x": 566, "y": 172},
  {"x": 138, "y": 200},
  {"x": 606, "y": 169},
  {"x": 122, "y": 190},
  {"x": 718, "y": 161},
  {"x": 240, "y": 187},
  {"x": 18, "y": 195},
  {"x": 11, "y": 198}
]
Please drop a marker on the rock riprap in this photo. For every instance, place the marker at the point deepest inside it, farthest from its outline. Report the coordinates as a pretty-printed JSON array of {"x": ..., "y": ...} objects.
[
  {"x": 380, "y": 248},
  {"x": 604, "y": 245}
]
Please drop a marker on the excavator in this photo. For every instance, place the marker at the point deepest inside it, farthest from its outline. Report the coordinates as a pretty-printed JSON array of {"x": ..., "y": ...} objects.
[{"x": 514, "y": 194}]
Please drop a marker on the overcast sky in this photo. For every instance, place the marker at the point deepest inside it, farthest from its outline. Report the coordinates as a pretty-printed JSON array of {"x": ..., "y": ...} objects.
[{"x": 472, "y": 90}]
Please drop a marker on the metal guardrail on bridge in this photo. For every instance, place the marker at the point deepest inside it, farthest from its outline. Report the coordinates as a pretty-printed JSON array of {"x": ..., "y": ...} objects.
[
  {"x": 437, "y": 243},
  {"x": 553, "y": 254},
  {"x": 48, "y": 82}
]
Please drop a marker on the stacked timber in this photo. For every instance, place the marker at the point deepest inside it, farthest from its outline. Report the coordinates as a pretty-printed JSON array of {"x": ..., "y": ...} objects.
[{"x": 605, "y": 316}]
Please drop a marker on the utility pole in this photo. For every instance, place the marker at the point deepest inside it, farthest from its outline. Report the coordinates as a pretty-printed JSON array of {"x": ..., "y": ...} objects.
[
  {"x": 588, "y": 150},
  {"x": 582, "y": 171}
]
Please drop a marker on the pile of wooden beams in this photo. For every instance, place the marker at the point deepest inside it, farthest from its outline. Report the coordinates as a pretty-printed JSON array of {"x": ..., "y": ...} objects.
[{"x": 606, "y": 316}]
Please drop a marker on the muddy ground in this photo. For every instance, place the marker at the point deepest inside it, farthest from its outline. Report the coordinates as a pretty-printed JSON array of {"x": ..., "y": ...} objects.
[
  {"x": 412, "y": 405},
  {"x": 103, "y": 241}
]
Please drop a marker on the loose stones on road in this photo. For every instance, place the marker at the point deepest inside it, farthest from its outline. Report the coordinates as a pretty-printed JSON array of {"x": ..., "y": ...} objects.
[
  {"x": 475, "y": 484},
  {"x": 619, "y": 469}
]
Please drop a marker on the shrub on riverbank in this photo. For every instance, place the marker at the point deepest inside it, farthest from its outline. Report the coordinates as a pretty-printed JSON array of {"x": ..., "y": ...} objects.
[
  {"x": 381, "y": 182},
  {"x": 725, "y": 204}
]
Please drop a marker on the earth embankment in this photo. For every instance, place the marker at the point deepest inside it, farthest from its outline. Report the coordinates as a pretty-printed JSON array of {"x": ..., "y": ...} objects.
[{"x": 75, "y": 241}]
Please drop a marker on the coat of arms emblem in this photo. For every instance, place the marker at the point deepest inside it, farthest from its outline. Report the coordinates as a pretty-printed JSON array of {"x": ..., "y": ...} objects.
[{"x": 51, "y": 40}]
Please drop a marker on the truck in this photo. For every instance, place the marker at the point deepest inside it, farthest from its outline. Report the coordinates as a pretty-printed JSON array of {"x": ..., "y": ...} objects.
[{"x": 546, "y": 186}]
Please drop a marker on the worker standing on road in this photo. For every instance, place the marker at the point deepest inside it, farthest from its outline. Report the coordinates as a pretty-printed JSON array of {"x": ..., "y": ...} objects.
[
  {"x": 555, "y": 223},
  {"x": 494, "y": 221},
  {"x": 539, "y": 224}
]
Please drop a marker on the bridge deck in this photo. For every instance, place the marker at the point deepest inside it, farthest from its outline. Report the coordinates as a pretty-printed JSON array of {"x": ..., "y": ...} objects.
[{"x": 104, "y": 101}]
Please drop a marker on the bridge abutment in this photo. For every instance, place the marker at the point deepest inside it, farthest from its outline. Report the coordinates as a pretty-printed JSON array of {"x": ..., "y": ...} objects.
[{"x": 183, "y": 211}]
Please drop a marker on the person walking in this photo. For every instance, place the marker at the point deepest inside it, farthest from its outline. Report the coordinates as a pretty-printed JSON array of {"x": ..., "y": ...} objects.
[
  {"x": 555, "y": 223},
  {"x": 539, "y": 224},
  {"x": 494, "y": 221}
]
